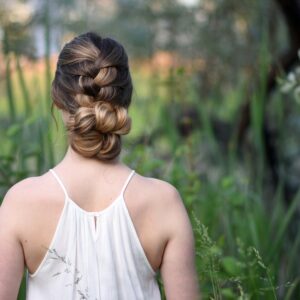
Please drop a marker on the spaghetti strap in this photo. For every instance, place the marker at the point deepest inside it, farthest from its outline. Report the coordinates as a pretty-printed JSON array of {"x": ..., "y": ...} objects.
[
  {"x": 126, "y": 182},
  {"x": 59, "y": 182},
  {"x": 65, "y": 190}
]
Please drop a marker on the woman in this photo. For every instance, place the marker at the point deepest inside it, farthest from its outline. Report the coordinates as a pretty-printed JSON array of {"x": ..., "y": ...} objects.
[{"x": 92, "y": 228}]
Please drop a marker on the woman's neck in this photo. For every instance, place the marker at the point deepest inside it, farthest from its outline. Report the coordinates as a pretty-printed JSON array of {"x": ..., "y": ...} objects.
[{"x": 73, "y": 159}]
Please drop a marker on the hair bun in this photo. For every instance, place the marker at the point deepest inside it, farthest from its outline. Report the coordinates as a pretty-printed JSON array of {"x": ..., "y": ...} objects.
[
  {"x": 111, "y": 119},
  {"x": 95, "y": 130}
]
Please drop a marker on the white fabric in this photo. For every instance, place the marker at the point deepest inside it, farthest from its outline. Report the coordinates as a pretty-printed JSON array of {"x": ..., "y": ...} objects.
[{"x": 82, "y": 262}]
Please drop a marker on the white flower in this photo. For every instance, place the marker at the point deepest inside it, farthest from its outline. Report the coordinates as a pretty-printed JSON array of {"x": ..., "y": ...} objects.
[{"x": 290, "y": 83}]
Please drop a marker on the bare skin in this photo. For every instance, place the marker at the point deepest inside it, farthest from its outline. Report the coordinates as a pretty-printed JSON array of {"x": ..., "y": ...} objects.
[{"x": 31, "y": 209}]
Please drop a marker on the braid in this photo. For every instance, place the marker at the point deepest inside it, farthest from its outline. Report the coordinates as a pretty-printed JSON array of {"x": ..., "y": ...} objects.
[{"x": 92, "y": 82}]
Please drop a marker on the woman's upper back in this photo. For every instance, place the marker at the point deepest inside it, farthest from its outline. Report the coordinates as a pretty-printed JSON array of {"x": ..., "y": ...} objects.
[
  {"x": 94, "y": 254},
  {"x": 154, "y": 216},
  {"x": 123, "y": 239}
]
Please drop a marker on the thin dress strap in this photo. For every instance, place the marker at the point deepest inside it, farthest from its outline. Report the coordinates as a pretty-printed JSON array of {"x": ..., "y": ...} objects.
[
  {"x": 126, "y": 182},
  {"x": 65, "y": 190},
  {"x": 59, "y": 182}
]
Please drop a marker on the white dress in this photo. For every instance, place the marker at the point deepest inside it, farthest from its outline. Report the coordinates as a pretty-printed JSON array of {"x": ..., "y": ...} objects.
[{"x": 94, "y": 260}]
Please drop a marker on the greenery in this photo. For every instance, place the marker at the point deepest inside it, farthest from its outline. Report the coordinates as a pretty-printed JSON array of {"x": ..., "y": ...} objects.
[{"x": 193, "y": 69}]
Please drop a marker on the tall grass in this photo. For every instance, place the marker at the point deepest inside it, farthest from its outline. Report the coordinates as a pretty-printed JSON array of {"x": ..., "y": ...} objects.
[{"x": 9, "y": 89}]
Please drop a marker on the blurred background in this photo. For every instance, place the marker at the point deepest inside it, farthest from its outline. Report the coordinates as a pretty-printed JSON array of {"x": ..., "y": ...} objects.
[{"x": 215, "y": 112}]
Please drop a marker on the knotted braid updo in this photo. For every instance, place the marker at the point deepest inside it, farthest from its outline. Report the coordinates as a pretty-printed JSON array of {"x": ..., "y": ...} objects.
[{"x": 93, "y": 84}]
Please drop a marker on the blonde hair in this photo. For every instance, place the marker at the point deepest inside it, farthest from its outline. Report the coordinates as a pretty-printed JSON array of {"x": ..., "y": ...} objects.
[{"x": 93, "y": 84}]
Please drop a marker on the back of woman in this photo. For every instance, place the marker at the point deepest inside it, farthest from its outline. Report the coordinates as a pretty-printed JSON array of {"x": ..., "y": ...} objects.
[{"x": 92, "y": 227}]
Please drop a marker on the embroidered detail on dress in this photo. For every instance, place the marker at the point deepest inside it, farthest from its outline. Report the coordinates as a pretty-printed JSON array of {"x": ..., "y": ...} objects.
[{"x": 69, "y": 269}]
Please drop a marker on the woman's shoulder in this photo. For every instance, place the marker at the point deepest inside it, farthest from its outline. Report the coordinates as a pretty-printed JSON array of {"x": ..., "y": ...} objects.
[
  {"x": 156, "y": 191},
  {"x": 161, "y": 206},
  {"x": 25, "y": 205},
  {"x": 29, "y": 191}
]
